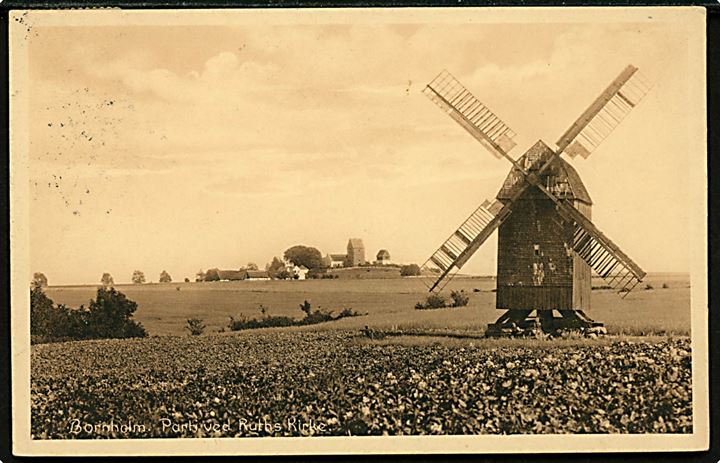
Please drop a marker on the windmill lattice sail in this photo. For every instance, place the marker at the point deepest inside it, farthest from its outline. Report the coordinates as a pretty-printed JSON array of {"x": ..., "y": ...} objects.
[
  {"x": 451, "y": 96},
  {"x": 604, "y": 114},
  {"x": 617, "y": 270},
  {"x": 458, "y": 248}
]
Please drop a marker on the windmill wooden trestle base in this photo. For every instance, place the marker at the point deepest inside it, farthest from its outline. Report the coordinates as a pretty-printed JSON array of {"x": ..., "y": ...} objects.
[{"x": 516, "y": 322}]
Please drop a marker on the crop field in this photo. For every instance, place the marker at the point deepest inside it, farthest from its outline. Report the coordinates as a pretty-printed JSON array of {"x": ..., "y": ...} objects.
[
  {"x": 339, "y": 383},
  {"x": 389, "y": 303},
  {"x": 329, "y": 379}
]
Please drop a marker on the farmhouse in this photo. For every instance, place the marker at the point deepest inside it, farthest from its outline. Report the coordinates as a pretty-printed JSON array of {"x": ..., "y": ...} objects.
[
  {"x": 231, "y": 275},
  {"x": 257, "y": 275},
  {"x": 334, "y": 260},
  {"x": 300, "y": 272}
]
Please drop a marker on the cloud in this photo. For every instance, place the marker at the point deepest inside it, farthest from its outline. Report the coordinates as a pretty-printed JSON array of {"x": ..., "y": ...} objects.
[{"x": 277, "y": 126}]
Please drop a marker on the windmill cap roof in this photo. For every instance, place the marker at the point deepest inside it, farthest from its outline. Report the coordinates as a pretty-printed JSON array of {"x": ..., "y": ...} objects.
[{"x": 563, "y": 172}]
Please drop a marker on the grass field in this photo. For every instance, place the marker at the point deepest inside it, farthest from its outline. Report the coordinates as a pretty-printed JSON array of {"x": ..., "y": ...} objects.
[{"x": 389, "y": 303}]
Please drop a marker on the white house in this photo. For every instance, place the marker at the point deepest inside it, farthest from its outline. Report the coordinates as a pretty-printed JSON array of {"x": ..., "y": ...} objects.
[
  {"x": 383, "y": 257},
  {"x": 335, "y": 260},
  {"x": 300, "y": 272}
]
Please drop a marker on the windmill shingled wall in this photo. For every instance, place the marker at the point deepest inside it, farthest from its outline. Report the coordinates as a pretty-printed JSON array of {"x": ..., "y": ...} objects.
[{"x": 536, "y": 265}]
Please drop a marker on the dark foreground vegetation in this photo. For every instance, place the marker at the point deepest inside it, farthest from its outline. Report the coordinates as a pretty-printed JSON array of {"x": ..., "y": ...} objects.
[
  {"x": 338, "y": 383},
  {"x": 109, "y": 315}
]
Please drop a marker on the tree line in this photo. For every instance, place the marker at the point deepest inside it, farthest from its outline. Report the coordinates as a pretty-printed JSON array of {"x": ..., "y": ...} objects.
[{"x": 299, "y": 255}]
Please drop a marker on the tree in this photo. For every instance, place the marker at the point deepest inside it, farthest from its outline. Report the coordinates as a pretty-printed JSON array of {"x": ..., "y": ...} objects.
[
  {"x": 187, "y": 280},
  {"x": 110, "y": 316},
  {"x": 107, "y": 279},
  {"x": 39, "y": 280},
  {"x": 138, "y": 277},
  {"x": 251, "y": 266},
  {"x": 200, "y": 275},
  {"x": 283, "y": 274},
  {"x": 410, "y": 270},
  {"x": 165, "y": 277},
  {"x": 212, "y": 274},
  {"x": 304, "y": 255},
  {"x": 274, "y": 267}
]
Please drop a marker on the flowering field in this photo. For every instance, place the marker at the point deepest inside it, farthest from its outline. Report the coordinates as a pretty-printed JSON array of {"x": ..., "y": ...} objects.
[{"x": 337, "y": 383}]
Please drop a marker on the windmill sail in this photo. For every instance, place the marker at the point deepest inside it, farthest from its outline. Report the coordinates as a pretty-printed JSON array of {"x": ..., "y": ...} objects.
[
  {"x": 451, "y": 96},
  {"x": 617, "y": 269},
  {"x": 462, "y": 244},
  {"x": 604, "y": 114}
]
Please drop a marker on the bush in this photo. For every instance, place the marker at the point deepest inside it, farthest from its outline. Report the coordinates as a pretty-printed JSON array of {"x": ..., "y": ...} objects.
[
  {"x": 649, "y": 286},
  {"x": 459, "y": 298},
  {"x": 318, "y": 316},
  {"x": 410, "y": 270},
  {"x": 245, "y": 323},
  {"x": 50, "y": 323},
  {"x": 665, "y": 286},
  {"x": 433, "y": 301},
  {"x": 195, "y": 326},
  {"x": 312, "y": 317},
  {"x": 108, "y": 316},
  {"x": 348, "y": 312}
]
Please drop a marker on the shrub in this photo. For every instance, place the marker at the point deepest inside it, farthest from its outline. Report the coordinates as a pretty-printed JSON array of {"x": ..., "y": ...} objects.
[
  {"x": 108, "y": 316},
  {"x": 459, "y": 298},
  {"x": 409, "y": 270},
  {"x": 187, "y": 280},
  {"x": 665, "y": 286},
  {"x": 649, "y": 286},
  {"x": 312, "y": 317},
  {"x": 195, "y": 326},
  {"x": 267, "y": 321},
  {"x": 50, "y": 323},
  {"x": 348, "y": 312},
  {"x": 318, "y": 316},
  {"x": 433, "y": 301}
]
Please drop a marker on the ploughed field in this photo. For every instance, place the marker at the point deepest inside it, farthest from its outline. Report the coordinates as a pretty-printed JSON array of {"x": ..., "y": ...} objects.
[
  {"x": 336, "y": 382},
  {"x": 389, "y": 303}
]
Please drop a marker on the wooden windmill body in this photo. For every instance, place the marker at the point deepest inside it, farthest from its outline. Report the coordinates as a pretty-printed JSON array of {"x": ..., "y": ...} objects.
[{"x": 547, "y": 245}]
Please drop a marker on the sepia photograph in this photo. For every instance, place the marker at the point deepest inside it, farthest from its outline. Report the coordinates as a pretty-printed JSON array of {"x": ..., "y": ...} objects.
[{"x": 384, "y": 230}]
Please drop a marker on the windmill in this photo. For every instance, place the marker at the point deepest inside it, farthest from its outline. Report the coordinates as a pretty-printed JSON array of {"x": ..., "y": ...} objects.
[{"x": 547, "y": 244}]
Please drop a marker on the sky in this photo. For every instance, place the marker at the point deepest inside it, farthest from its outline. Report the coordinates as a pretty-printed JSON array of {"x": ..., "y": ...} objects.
[{"x": 182, "y": 148}]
